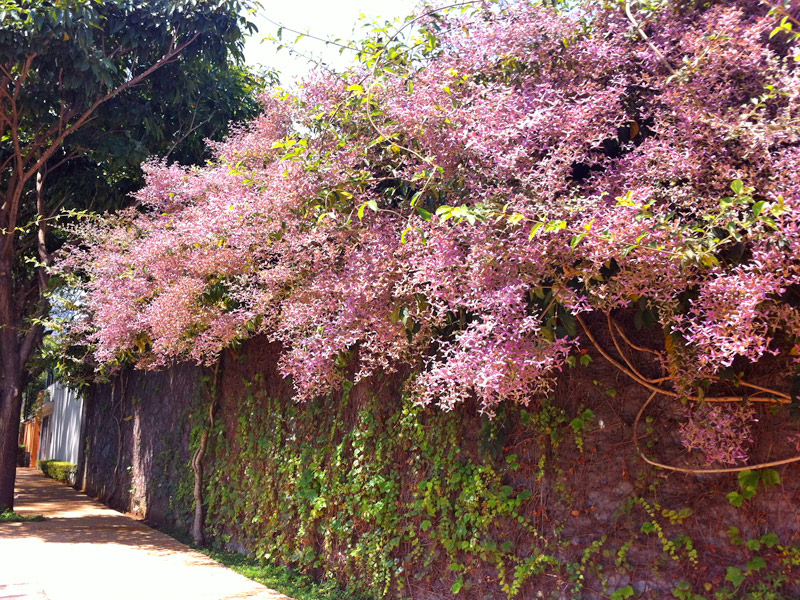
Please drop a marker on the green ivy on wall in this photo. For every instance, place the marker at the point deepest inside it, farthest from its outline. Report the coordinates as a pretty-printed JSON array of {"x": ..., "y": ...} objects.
[{"x": 389, "y": 498}]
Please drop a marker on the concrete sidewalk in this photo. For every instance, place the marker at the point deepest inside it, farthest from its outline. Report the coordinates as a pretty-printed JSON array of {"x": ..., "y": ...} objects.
[{"x": 86, "y": 551}]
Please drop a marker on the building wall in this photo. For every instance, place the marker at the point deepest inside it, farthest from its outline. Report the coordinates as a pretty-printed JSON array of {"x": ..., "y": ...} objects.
[
  {"x": 29, "y": 437},
  {"x": 65, "y": 410}
]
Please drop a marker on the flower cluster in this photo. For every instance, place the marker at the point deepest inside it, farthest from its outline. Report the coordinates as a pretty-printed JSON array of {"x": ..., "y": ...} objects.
[
  {"x": 722, "y": 434},
  {"x": 455, "y": 211}
]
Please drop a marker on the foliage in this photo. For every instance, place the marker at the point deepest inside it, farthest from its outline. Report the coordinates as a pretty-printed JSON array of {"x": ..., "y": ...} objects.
[
  {"x": 92, "y": 51},
  {"x": 286, "y": 581},
  {"x": 387, "y": 499},
  {"x": 339, "y": 492},
  {"x": 9, "y": 516},
  {"x": 21, "y": 456},
  {"x": 87, "y": 90},
  {"x": 58, "y": 470},
  {"x": 460, "y": 208}
]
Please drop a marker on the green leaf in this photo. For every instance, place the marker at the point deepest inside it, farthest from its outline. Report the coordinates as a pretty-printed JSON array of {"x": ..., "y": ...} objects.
[
  {"x": 770, "y": 540},
  {"x": 770, "y": 477},
  {"x": 733, "y": 533},
  {"x": 735, "y": 498},
  {"x": 753, "y": 545},
  {"x": 623, "y": 593},
  {"x": 456, "y": 587},
  {"x": 425, "y": 525},
  {"x": 758, "y": 207},
  {"x": 358, "y": 89},
  {"x": 535, "y": 229},
  {"x": 577, "y": 239},
  {"x": 737, "y": 186},
  {"x": 735, "y": 576},
  {"x": 748, "y": 480},
  {"x": 756, "y": 564}
]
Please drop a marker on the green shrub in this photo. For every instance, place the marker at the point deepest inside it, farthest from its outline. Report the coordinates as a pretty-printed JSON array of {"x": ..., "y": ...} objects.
[
  {"x": 9, "y": 516},
  {"x": 60, "y": 471},
  {"x": 22, "y": 456}
]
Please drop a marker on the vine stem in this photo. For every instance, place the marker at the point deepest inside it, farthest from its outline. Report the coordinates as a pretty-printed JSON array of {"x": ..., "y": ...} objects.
[
  {"x": 653, "y": 47},
  {"x": 611, "y": 325},
  {"x": 197, "y": 463},
  {"x": 765, "y": 465},
  {"x": 779, "y": 399}
]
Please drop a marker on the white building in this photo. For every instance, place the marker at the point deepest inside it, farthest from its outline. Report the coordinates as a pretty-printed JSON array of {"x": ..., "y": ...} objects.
[{"x": 62, "y": 416}]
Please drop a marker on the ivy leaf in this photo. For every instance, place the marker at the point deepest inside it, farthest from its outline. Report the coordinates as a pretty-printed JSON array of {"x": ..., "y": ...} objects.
[
  {"x": 748, "y": 480},
  {"x": 770, "y": 477},
  {"x": 623, "y": 593},
  {"x": 770, "y": 540},
  {"x": 456, "y": 587},
  {"x": 735, "y": 576},
  {"x": 756, "y": 564},
  {"x": 735, "y": 498},
  {"x": 753, "y": 545}
]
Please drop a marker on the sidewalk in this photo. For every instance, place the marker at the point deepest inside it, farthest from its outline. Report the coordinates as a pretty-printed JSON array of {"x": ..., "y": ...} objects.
[{"x": 86, "y": 551}]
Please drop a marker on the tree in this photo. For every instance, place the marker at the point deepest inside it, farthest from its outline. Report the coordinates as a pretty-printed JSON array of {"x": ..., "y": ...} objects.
[{"x": 87, "y": 91}]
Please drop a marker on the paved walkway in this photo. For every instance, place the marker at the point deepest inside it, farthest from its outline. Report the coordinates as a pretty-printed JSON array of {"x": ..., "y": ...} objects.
[{"x": 86, "y": 551}]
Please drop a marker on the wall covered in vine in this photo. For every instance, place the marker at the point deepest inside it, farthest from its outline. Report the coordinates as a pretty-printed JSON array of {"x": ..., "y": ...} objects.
[{"x": 393, "y": 500}]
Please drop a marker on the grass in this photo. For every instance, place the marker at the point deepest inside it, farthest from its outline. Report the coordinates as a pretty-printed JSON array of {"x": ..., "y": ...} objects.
[
  {"x": 282, "y": 579},
  {"x": 9, "y": 516}
]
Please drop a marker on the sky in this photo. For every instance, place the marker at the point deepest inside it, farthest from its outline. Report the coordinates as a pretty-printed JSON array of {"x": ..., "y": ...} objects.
[{"x": 327, "y": 19}]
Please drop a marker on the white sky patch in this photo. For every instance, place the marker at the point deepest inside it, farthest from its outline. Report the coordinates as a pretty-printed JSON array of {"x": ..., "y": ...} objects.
[{"x": 331, "y": 19}]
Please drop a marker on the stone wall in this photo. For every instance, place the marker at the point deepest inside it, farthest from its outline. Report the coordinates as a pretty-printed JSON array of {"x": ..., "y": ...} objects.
[{"x": 566, "y": 507}]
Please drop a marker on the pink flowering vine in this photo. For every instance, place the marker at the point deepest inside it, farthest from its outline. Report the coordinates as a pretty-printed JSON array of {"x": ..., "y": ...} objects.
[{"x": 455, "y": 209}]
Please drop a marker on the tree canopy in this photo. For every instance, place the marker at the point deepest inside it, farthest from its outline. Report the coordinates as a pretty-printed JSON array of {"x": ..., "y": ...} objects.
[{"x": 88, "y": 90}]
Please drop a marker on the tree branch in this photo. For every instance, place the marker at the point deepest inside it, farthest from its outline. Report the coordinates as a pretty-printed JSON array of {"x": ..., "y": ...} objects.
[
  {"x": 30, "y": 342},
  {"x": 24, "y": 175}
]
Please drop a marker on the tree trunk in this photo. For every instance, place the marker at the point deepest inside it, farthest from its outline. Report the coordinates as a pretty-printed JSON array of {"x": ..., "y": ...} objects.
[
  {"x": 11, "y": 380},
  {"x": 9, "y": 438}
]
